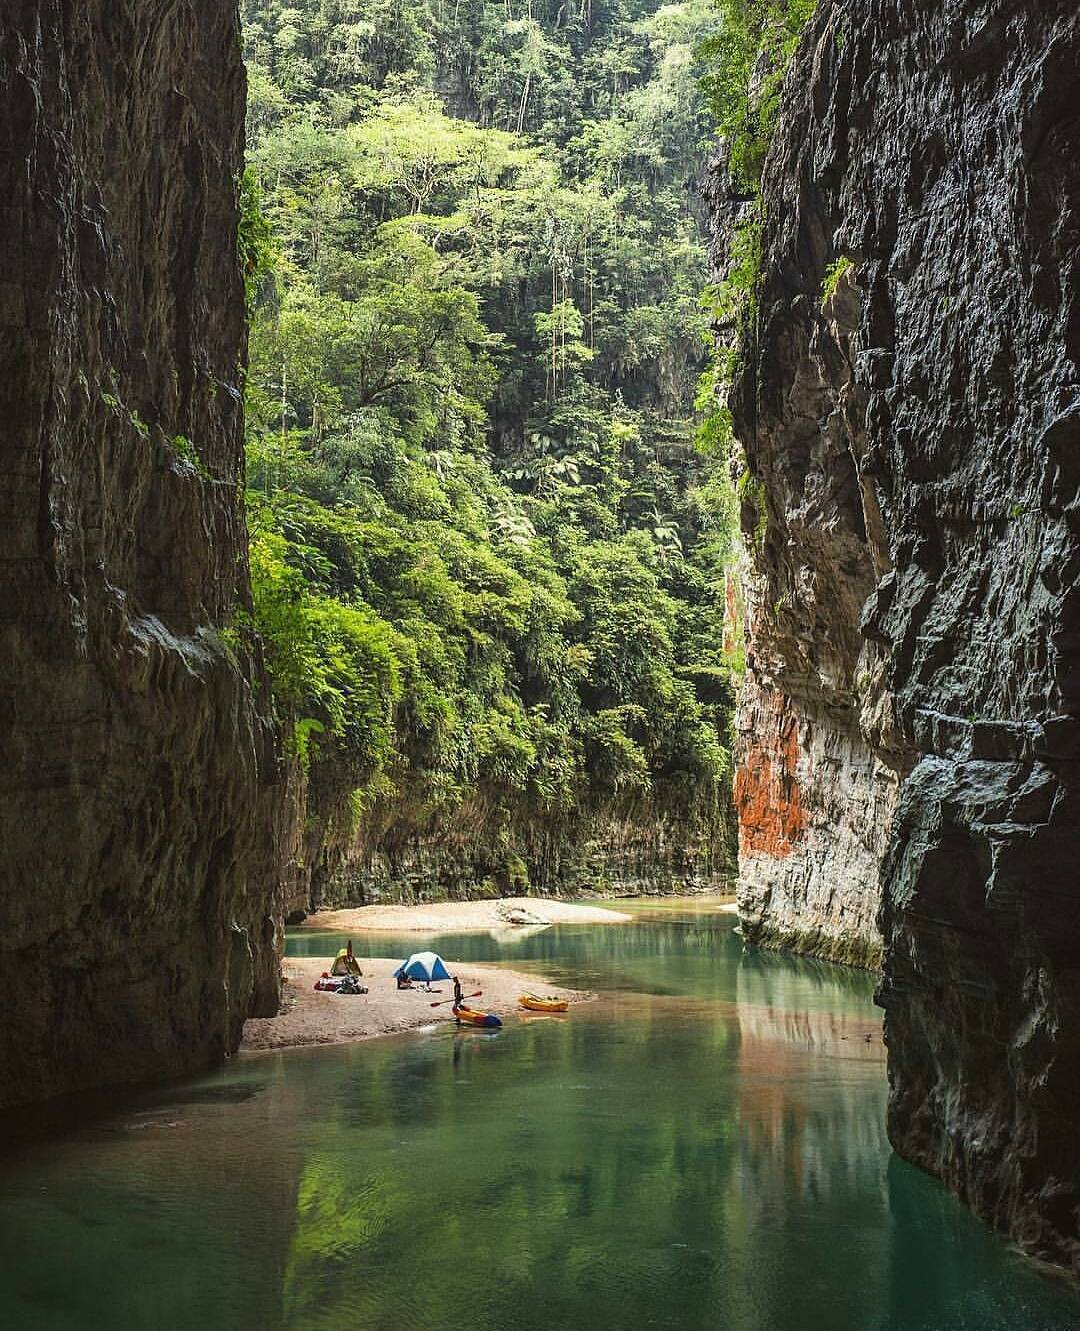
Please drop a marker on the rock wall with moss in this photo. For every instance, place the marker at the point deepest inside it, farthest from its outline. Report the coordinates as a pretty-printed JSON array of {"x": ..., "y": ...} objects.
[
  {"x": 910, "y": 403},
  {"x": 139, "y": 791},
  {"x": 615, "y": 848}
]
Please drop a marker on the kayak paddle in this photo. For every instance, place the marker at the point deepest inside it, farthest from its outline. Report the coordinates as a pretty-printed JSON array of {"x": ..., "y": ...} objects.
[{"x": 439, "y": 1002}]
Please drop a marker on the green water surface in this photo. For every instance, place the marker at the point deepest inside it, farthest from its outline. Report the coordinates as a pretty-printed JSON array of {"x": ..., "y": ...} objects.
[{"x": 702, "y": 1147}]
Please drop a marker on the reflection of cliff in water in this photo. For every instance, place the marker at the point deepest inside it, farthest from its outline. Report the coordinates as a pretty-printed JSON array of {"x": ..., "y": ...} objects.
[
  {"x": 810, "y": 1139},
  {"x": 811, "y": 1096},
  {"x": 564, "y": 1152},
  {"x": 781, "y": 980},
  {"x": 689, "y": 1142},
  {"x": 961, "y": 1263},
  {"x": 707, "y": 1159},
  {"x": 178, "y": 1212}
]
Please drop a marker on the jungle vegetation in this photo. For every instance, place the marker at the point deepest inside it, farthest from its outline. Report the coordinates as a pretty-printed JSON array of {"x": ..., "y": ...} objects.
[{"x": 488, "y": 560}]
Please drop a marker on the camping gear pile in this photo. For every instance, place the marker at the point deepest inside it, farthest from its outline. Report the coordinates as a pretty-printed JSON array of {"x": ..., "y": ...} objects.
[
  {"x": 343, "y": 977},
  {"x": 340, "y": 984}
]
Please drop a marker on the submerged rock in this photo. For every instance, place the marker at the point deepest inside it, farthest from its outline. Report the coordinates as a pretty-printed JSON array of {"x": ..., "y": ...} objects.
[{"x": 911, "y": 726}]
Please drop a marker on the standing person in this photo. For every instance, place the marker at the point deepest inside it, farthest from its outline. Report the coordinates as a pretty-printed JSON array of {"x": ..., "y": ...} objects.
[{"x": 457, "y": 992}]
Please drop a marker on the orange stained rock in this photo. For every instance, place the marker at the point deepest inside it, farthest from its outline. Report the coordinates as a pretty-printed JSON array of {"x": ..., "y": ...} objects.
[{"x": 768, "y": 797}]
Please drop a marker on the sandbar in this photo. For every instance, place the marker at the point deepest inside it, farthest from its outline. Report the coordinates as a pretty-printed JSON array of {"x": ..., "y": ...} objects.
[
  {"x": 462, "y": 916},
  {"x": 310, "y": 1017}
]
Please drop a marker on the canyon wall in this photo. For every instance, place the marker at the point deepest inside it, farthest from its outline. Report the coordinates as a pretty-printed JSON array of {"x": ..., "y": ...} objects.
[
  {"x": 910, "y": 414},
  {"x": 618, "y": 846},
  {"x": 139, "y": 795}
]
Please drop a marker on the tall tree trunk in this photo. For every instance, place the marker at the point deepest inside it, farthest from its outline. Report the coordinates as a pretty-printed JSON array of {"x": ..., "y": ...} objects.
[
  {"x": 284, "y": 409},
  {"x": 554, "y": 350},
  {"x": 524, "y": 103}
]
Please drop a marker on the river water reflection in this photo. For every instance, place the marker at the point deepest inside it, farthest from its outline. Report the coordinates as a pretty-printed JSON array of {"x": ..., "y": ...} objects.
[{"x": 703, "y": 1147}]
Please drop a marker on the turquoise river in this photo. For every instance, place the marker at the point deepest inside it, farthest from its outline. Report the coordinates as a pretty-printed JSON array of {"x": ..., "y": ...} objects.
[{"x": 701, "y": 1147}]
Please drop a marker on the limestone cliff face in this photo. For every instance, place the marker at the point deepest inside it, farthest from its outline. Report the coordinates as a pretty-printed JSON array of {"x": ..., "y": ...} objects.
[
  {"x": 137, "y": 919},
  {"x": 916, "y": 619},
  {"x": 819, "y": 753},
  {"x": 619, "y": 846}
]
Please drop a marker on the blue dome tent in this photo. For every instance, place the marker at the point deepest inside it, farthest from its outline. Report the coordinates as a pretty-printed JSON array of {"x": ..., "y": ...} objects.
[{"x": 424, "y": 966}]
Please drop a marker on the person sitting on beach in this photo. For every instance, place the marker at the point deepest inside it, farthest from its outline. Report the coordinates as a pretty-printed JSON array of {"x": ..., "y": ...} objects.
[{"x": 404, "y": 981}]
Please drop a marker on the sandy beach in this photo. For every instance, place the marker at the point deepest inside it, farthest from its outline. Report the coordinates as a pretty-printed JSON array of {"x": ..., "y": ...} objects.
[
  {"x": 461, "y": 916},
  {"x": 310, "y": 1017}
]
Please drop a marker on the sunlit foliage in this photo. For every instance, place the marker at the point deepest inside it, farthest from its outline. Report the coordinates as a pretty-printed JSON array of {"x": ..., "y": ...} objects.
[{"x": 484, "y": 557}]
